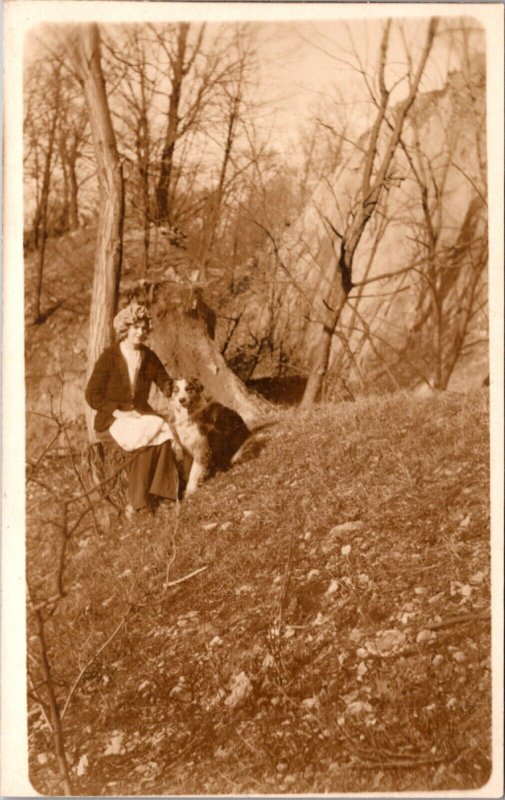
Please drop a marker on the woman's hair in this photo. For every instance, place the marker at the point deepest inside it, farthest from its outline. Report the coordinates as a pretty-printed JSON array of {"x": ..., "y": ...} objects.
[{"x": 131, "y": 315}]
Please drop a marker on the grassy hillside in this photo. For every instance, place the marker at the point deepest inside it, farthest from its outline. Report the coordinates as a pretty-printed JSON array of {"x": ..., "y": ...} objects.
[{"x": 337, "y": 638}]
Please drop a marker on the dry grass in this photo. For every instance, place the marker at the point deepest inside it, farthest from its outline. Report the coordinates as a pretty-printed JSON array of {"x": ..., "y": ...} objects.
[{"x": 352, "y": 682}]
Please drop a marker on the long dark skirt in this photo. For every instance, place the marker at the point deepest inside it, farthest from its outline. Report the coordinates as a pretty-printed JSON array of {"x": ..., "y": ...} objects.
[{"x": 150, "y": 470}]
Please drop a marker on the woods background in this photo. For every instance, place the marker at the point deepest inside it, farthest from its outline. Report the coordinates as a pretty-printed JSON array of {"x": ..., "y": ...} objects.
[{"x": 342, "y": 248}]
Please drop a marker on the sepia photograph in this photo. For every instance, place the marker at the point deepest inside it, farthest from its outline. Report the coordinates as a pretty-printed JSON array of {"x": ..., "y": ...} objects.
[{"x": 253, "y": 533}]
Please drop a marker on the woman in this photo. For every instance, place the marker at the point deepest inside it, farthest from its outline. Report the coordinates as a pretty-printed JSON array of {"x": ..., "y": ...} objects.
[{"x": 118, "y": 390}]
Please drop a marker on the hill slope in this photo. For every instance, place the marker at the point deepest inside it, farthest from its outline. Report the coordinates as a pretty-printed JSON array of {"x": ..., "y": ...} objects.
[{"x": 337, "y": 640}]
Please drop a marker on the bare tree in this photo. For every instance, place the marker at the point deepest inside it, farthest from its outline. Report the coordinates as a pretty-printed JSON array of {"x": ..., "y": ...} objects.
[
  {"x": 41, "y": 122},
  {"x": 181, "y": 58},
  {"x": 373, "y": 182},
  {"x": 84, "y": 48}
]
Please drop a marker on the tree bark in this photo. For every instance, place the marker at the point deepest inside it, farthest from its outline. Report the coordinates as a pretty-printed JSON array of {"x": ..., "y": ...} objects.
[{"x": 108, "y": 257}]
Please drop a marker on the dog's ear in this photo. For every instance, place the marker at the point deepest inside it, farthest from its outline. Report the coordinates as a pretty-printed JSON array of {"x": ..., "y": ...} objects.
[{"x": 196, "y": 385}]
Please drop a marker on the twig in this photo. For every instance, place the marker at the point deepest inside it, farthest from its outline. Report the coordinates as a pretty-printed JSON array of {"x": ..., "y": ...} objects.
[
  {"x": 63, "y": 552},
  {"x": 185, "y": 578},
  {"x": 398, "y": 764},
  {"x": 174, "y": 547},
  {"x": 459, "y": 620},
  {"x": 40, "y": 703},
  {"x": 287, "y": 578},
  {"x": 44, "y": 603},
  {"x": 92, "y": 660},
  {"x": 54, "y": 713}
]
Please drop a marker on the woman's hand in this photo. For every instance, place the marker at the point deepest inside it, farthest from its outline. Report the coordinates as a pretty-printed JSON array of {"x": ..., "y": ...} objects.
[
  {"x": 131, "y": 414},
  {"x": 177, "y": 450}
]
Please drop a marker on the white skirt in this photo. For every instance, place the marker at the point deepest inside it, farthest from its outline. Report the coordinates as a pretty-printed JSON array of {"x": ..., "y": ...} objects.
[{"x": 148, "y": 430}]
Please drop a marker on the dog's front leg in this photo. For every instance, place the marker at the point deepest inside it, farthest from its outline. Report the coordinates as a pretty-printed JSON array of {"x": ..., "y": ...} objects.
[{"x": 197, "y": 475}]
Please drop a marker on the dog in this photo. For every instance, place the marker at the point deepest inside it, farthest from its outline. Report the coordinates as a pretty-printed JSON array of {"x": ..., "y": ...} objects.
[{"x": 213, "y": 435}]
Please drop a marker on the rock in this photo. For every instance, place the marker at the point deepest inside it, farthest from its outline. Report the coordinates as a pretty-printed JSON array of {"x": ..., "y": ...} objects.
[
  {"x": 459, "y": 657},
  {"x": 333, "y": 587},
  {"x": 247, "y": 514},
  {"x": 338, "y": 532},
  {"x": 225, "y": 526},
  {"x": 346, "y": 549},
  {"x": 435, "y": 598},
  {"x": 82, "y": 766},
  {"x": 389, "y": 640},
  {"x": 437, "y": 660},
  {"x": 114, "y": 746},
  {"x": 358, "y": 707},
  {"x": 425, "y": 636},
  {"x": 362, "y": 669},
  {"x": 42, "y": 758},
  {"x": 310, "y": 702},
  {"x": 346, "y": 527},
  {"x": 355, "y": 635},
  {"x": 477, "y": 578},
  {"x": 312, "y": 574},
  {"x": 210, "y": 526},
  {"x": 240, "y": 689}
]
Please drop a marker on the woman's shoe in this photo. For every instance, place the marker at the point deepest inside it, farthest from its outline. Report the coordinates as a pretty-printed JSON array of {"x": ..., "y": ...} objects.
[{"x": 129, "y": 511}]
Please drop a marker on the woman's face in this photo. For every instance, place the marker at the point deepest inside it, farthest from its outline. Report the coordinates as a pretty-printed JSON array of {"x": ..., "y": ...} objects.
[{"x": 137, "y": 334}]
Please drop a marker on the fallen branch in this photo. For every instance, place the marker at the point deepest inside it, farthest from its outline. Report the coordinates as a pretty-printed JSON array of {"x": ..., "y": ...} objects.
[
  {"x": 400, "y": 763},
  {"x": 459, "y": 620},
  {"x": 185, "y": 578}
]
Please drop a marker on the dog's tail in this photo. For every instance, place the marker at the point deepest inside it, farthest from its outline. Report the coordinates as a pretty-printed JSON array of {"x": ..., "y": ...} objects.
[{"x": 251, "y": 448}]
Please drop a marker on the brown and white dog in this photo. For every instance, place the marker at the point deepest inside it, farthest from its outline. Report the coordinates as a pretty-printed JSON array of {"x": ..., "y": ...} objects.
[{"x": 212, "y": 434}]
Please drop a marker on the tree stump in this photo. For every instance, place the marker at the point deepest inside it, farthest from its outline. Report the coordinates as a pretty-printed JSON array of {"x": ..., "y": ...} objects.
[{"x": 106, "y": 462}]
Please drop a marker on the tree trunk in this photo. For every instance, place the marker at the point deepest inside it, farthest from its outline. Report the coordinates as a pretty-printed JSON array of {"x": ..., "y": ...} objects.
[
  {"x": 40, "y": 223},
  {"x": 167, "y": 156},
  {"x": 183, "y": 344},
  {"x": 108, "y": 257},
  {"x": 314, "y": 387},
  {"x": 209, "y": 234},
  {"x": 73, "y": 191}
]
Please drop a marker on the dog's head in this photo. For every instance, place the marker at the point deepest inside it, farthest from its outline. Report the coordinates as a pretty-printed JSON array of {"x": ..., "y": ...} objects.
[{"x": 188, "y": 393}]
